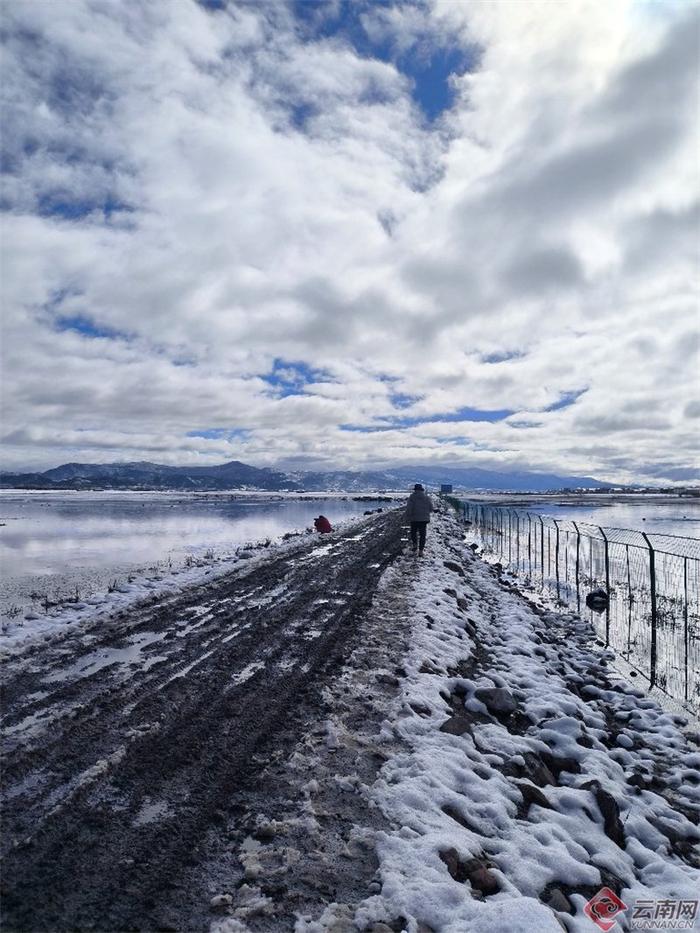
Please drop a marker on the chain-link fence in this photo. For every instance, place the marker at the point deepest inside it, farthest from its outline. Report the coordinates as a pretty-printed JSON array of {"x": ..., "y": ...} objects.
[{"x": 640, "y": 591}]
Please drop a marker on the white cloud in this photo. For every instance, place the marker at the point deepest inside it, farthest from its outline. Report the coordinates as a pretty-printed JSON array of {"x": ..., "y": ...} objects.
[{"x": 250, "y": 191}]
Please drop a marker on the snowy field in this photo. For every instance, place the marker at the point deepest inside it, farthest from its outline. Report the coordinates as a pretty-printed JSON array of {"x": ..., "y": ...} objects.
[{"x": 75, "y": 546}]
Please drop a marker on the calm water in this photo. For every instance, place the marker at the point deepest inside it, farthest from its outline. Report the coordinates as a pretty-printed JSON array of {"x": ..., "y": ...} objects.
[
  {"x": 670, "y": 516},
  {"x": 52, "y": 543}
]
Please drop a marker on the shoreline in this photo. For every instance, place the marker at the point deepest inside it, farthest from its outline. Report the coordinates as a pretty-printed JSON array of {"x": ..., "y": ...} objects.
[{"x": 133, "y": 587}]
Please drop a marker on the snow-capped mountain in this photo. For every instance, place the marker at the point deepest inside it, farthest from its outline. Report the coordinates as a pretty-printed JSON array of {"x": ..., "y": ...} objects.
[{"x": 237, "y": 475}]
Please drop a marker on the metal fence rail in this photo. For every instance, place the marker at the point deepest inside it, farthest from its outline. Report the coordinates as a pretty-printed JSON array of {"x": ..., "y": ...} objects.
[{"x": 649, "y": 608}]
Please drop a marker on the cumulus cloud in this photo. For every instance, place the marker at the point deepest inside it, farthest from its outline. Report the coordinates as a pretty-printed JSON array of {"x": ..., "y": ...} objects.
[{"x": 236, "y": 231}]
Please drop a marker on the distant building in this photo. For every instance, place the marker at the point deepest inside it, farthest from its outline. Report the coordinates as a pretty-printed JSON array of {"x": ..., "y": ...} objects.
[{"x": 446, "y": 488}]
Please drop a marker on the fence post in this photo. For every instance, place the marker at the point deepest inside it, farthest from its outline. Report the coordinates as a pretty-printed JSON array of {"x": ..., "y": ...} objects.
[
  {"x": 607, "y": 587},
  {"x": 630, "y": 601},
  {"x": 510, "y": 537},
  {"x": 685, "y": 624},
  {"x": 556, "y": 555},
  {"x": 542, "y": 548},
  {"x": 578, "y": 549},
  {"x": 529, "y": 545},
  {"x": 517, "y": 542},
  {"x": 652, "y": 580}
]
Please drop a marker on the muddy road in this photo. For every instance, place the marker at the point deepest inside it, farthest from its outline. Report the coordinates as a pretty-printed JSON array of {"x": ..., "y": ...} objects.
[{"x": 128, "y": 748}]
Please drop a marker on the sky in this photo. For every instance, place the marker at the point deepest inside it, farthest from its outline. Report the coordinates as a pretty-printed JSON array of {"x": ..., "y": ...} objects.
[{"x": 352, "y": 235}]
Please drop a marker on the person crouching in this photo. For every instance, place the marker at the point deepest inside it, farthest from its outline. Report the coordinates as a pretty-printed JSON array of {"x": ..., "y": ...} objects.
[{"x": 322, "y": 525}]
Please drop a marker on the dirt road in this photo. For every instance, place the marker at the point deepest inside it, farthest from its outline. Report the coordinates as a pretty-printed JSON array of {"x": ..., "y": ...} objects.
[{"x": 130, "y": 750}]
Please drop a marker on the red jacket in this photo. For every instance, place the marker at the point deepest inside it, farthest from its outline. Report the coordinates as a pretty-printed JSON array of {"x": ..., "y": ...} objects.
[{"x": 322, "y": 525}]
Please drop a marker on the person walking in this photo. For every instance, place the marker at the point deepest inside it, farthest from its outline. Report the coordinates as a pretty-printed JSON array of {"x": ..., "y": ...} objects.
[{"x": 418, "y": 509}]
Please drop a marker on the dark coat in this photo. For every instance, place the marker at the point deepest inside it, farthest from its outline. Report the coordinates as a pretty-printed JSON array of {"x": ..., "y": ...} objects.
[{"x": 418, "y": 507}]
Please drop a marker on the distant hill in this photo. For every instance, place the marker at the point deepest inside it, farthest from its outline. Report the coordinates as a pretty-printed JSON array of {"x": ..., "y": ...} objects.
[
  {"x": 489, "y": 481},
  {"x": 145, "y": 475},
  {"x": 237, "y": 475}
]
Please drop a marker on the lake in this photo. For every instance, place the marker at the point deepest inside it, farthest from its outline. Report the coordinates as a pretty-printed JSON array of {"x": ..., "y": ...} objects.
[
  {"x": 668, "y": 515},
  {"x": 76, "y": 544},
  {"x": 52, "y": 544}
]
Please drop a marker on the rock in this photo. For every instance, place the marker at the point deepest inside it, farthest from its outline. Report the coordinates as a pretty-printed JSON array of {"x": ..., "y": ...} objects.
[
  {"x": 537, "y": 770},
  {"x": 387, "y": 679},
  {"x": 459, "y": 817},
  {"x": 557, "y": 900},
  {"x": 374, "y": 887},
  {"x": 532, "y": 794},
  {"x": 462, "y": 603},
  {"x": 609, "y": 811},
  {"x": 450, "y": 592},
  {"x": 456, "y": 865},
  {"x": 484, "y": 881},
  {"x": 457, "y": 724},
  {"x": 451, "y": 565},
  {"x": 474, "y": 870},
  {"x": 558, "y": 764},
  {"x": 673, "y": 835},
  {"x": 342, "y": 921},
  {"x": 220, "y": 901},
  {"x": 264, "y": 832},
  {"x": 496, "y": 699},
  {"x": 345, "y": 925}
]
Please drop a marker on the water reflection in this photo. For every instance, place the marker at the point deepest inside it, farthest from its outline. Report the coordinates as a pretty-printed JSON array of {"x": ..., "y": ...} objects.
[
  {"x": 672, "y": 518},
  {"x": 86, "y": 539}
]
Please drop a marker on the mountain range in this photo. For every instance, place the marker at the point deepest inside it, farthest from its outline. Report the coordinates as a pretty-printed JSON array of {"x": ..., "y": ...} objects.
[{"x": 236, "y": 475}]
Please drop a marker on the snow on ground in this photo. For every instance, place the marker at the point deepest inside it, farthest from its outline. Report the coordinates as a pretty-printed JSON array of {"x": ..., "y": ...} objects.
[
  {"x": 521, "y": 775},
  {"x": 522, "y": 778}
]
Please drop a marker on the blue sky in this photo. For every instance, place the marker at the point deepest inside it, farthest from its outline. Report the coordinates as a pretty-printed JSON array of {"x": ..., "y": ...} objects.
[
  {"x": 429, "y": 66},
  {"x": 352, "y": 234}
]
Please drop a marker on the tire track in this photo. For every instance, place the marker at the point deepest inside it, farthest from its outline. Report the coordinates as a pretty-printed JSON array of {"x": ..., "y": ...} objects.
[{"x": 108, "y": 809}]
